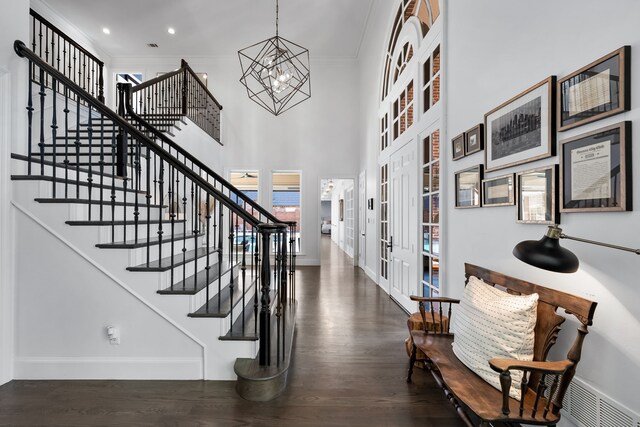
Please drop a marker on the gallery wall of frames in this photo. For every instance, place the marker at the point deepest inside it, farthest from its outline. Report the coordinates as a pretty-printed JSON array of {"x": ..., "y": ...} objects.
[{"x": 592, "y": 172}]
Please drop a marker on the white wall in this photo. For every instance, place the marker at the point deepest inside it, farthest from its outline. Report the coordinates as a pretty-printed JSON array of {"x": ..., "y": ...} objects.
[
  {"x": 496, "y": 49},
  {"x": 13, "y": 25},
  {"x": 66, "y": 337},
  {"x": 318, "y": 137}
]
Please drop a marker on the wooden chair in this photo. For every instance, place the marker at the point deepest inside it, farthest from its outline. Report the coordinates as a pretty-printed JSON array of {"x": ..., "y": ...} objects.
[{"x": 543, "y": 384}]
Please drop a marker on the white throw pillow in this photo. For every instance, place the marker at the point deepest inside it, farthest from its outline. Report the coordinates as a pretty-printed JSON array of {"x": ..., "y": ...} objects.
[{"x": 492, "y": 323}]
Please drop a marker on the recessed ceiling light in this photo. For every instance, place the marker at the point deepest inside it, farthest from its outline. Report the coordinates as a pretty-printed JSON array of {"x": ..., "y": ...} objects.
[
  {"x": 171, "y": 30},
  {"x": 106, "y": 30}
]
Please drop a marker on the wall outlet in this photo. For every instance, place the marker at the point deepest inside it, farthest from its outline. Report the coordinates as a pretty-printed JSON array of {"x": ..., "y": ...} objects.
[{"x": 114, "y": 335}]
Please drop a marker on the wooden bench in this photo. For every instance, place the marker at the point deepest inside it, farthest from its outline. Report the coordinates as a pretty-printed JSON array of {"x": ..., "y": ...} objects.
[{"x": 542, "y": 379}]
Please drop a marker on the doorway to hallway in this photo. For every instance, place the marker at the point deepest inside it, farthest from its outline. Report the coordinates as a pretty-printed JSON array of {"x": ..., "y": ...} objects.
[{"x": 338, "y": 214}]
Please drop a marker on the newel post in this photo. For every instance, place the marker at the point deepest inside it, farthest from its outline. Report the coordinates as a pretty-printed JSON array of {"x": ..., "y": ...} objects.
[
  {"x": 101, "y": 82},
  {"x": 265, "y": 231},
  {"x": 124, "y": 99},
  {"x": 184, "y": 66}
]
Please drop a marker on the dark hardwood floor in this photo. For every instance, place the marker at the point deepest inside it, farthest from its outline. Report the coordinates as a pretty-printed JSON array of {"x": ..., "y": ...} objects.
[{"x": 348, "y": 369}]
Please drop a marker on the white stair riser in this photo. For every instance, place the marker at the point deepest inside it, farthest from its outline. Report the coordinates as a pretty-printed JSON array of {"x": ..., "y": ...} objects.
[
  {"x": 138, "y": 256},
  {"x": 82, "y": 192},
  {"x": 118, "y": 231},
  {"x": 82, "y": 212}
]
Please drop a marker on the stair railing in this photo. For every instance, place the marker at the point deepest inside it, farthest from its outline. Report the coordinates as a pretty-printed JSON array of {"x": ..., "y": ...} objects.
[
  {"x": 180, "y": 93},
  {"x": 126, "y": 109},
  {"x": 148, "y": 196},
  {"x": 61, "y": 52}
]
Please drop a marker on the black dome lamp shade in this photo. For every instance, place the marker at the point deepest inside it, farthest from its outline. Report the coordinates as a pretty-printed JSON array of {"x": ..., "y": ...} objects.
[{"x": 547, "y": 253}]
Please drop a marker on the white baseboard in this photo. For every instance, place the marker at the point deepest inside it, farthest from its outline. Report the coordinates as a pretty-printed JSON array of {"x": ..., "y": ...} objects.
[
  {"x": 103, "y": 368},
  {"x": 371, "y": 274}
]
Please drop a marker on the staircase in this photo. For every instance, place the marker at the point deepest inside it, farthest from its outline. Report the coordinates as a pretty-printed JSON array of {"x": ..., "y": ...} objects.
[{"x": 159, "y": 221}]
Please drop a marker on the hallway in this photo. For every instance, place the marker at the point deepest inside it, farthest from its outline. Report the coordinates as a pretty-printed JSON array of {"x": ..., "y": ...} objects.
[{"x": 348, "y": 369}]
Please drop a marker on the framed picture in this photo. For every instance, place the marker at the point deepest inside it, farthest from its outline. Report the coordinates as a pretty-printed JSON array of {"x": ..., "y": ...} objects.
[
  {"x": 457, "y": 144},
  {"x": 537, "y": 200},
  {"x": 341, "y": 209},
  {"x": 467, "y": 183},
  {"x": 598, "y": 90},
  {"x": 595, "y": 171},
  {"x": 498, "y": 191},
  {"x": 474, "y": 139},
  {"x": 522, "y": 129}
]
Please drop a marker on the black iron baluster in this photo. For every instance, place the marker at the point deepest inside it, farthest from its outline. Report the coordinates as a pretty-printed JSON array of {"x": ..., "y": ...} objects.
[
  {"x": 231, "y": 263},
  {"x": 114, "y": 148},
  {"x": 243, "y": 270},
  {"x": 148, "y": 199},
  {"x": 136, "y": 177},
  {"x": 101, "y": 167},
  {"x": 42, "y": 94},
  {"x": 66, "y": 142},
  {"x": 90, "y": 146},
  {"x": 184, "y": 229},
  {"x": 172, "y": 216},
  {"x": 256, "y": 276},
  {"x": 220, "y": 250},
  {"x": 123, "y": 147},
  {"x": 54, "y": 135},
  {"x": 77, "y": 146},
  {"x": 160, "y": 213},
  {"x": 30, "y": 117},
  {"x": 208, "y": 248}
]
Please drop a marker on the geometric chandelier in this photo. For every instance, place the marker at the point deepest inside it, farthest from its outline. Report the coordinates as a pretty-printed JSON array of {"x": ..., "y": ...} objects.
[{"x": 275, "y": 73}]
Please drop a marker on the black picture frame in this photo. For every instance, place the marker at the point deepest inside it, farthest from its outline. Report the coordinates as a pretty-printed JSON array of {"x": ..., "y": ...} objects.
[
  {"x": 468, "y": 184},
  {"x": 598, "y": 90},
  {"x": 499, "y": 191},
  {"x": 523, "y": 129},
  {"x": 537, "y": 196},
  {"x": 341, "y": 209},
  {"x": 370, "y": 204},
  {"x": 474, "y": 139},
  {"x": 595, "y": 170},
  {"x": 457, "y": 147}
]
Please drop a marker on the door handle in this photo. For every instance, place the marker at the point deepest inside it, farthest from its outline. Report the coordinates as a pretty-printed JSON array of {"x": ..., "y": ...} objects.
[
  {"x": 390, "y": 244},
  {"x": 362, "y": 234}
]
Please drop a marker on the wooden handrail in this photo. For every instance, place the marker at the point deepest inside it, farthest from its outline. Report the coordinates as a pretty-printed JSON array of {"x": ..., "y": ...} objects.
[{"x": 156, "y": 80}]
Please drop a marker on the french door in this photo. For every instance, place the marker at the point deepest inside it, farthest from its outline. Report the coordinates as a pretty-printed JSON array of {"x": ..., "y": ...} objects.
[{"x": 403, "y": 225}]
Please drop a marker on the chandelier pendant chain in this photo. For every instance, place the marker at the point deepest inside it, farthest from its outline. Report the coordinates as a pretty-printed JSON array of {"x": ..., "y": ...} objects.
[{"x": 277, "y": 10}]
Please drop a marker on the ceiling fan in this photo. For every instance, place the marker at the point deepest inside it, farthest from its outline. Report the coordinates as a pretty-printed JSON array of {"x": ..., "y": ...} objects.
[{"x": 248, "y": 175}]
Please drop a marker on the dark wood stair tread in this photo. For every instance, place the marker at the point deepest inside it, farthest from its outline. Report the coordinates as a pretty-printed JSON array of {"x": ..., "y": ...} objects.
[
  {"x": 248, "y": 320},
  {"x": 197, "y": 282},
  {"x": 141, "y": 205},
  {"x": 73, "y": 182},
  {"x": 167, "y": 263},
  {"x": 220, "y": 305},
  {"x": 121, "y": 222},
  {"x": 141, "y": 243}
]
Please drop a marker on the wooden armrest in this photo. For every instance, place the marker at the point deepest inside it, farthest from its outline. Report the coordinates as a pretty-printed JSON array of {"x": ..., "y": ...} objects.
[
  {"x": 503, "y": 365},
  {"x": 545, "y": 368},
  {"x": 436, "y": 299}
]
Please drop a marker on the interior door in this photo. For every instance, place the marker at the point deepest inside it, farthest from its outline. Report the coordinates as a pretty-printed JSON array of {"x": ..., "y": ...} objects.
[
  {"x": 362, "y": 220},
  {"x": 403, "y": 225}
]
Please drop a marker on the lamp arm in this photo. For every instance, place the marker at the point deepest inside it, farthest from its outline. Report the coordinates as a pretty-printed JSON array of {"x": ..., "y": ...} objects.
[{"x": 608, "y": 245}]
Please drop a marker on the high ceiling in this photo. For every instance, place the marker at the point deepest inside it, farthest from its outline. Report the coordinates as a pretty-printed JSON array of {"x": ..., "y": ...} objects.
[{"x": 328, "y": 28}]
